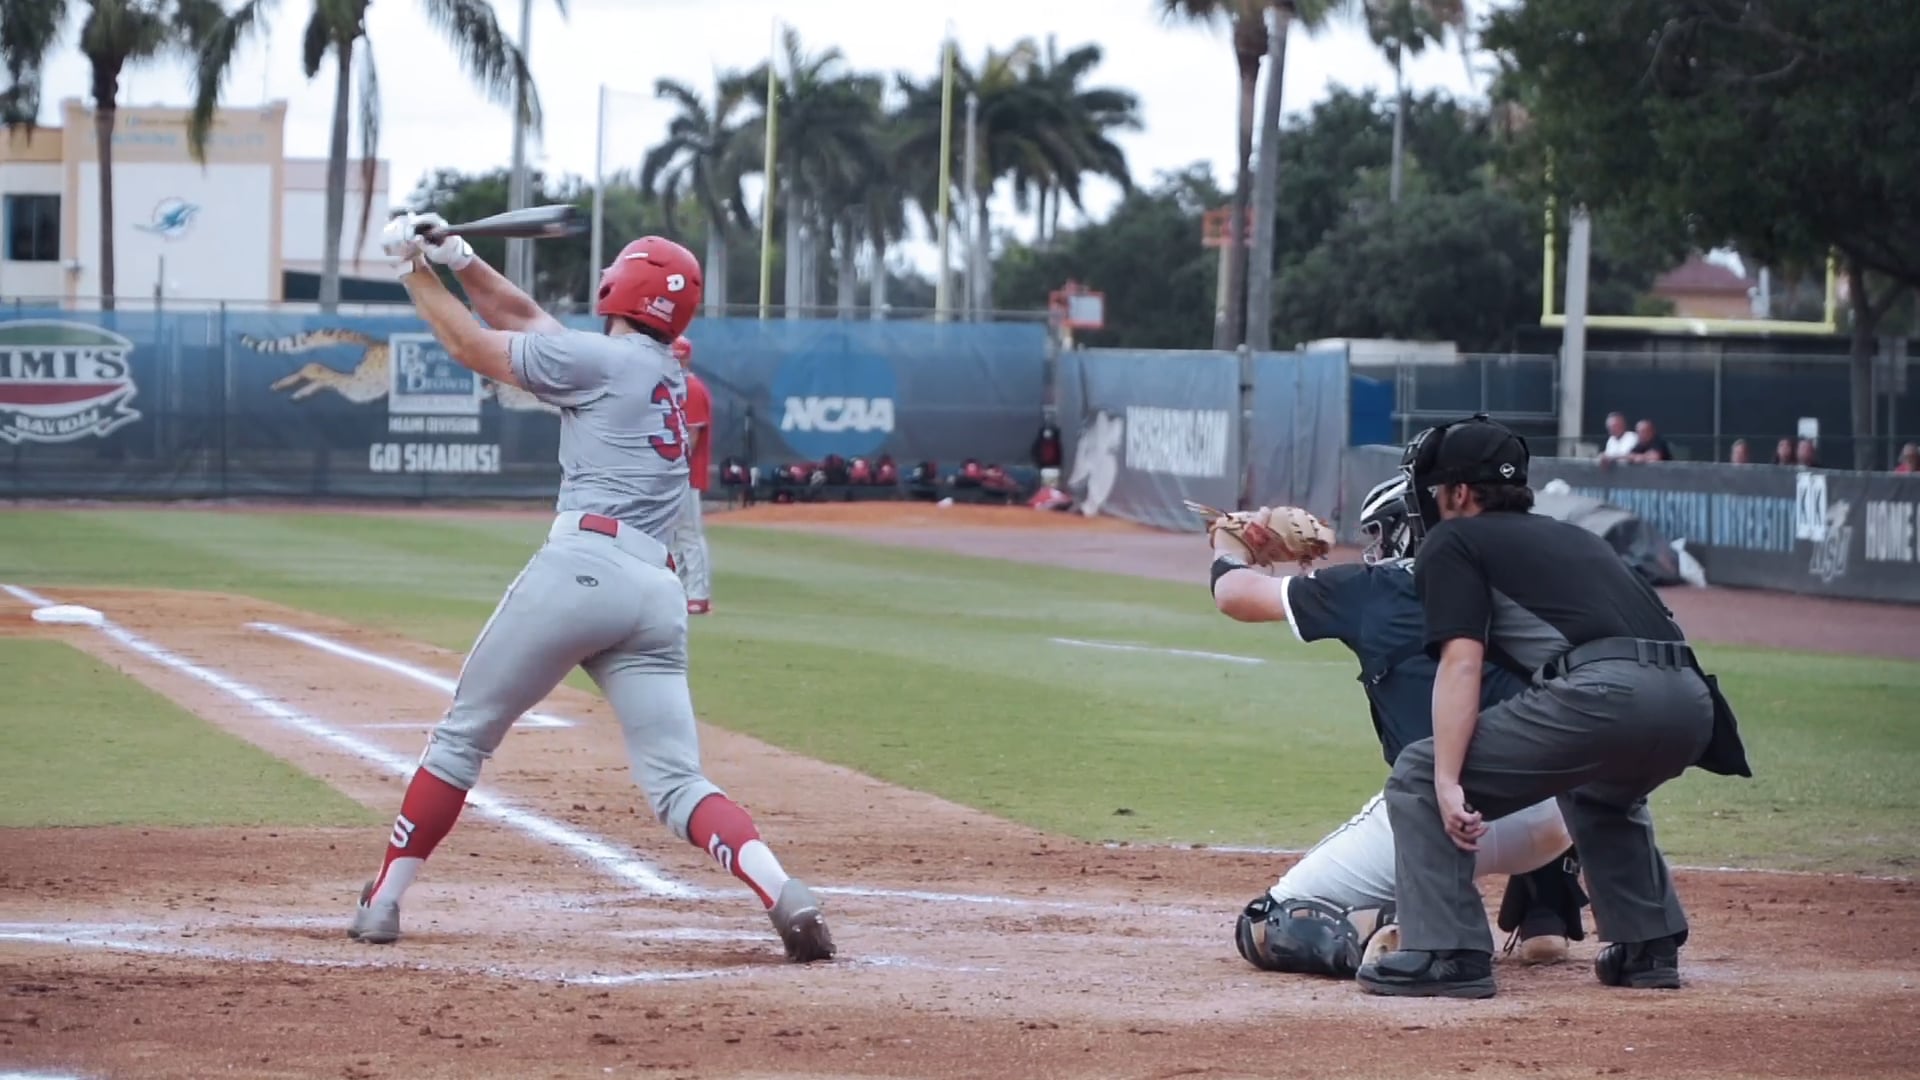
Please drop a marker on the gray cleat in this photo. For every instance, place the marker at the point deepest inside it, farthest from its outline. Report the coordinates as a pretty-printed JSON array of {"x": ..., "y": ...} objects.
[
  {"x": 796, "y": 915},
  {"x": 374, "y": 925}
]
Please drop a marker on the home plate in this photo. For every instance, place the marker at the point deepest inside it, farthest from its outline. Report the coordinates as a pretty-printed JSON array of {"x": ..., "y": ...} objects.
[{"x": 69, "y": 613}]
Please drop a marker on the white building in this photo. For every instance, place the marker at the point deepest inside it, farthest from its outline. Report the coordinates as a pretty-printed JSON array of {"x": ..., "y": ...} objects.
[{"x": 236, "y": 229}]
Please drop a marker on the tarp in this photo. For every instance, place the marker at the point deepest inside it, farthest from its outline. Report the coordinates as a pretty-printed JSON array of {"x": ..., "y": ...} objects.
[
  {"x": 1641, "y": 546},
  {"x": 1298, "y": 415}
]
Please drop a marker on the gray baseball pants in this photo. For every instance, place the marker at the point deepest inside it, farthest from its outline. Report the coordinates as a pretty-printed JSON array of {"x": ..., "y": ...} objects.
[
  {"x": 1600, "y": 738},
  {"x": 607, "y": 604}
]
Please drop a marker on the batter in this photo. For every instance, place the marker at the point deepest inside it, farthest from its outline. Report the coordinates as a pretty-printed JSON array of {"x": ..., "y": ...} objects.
[{"x": 601, "y": 593}]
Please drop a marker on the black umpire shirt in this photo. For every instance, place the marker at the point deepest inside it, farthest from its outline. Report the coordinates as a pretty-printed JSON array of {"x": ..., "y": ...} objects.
[
  {"x": 1529, "y": 587},
  {"x": 1373, "y": 611}
]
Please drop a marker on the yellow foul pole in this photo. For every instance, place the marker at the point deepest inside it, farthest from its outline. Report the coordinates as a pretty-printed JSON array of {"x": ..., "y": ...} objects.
[
  {"x": 940, "y": 299},
  {"x": 766, "y": 193}
]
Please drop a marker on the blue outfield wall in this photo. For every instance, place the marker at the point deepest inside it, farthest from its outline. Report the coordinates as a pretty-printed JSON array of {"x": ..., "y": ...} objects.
[
  {"x": 1824, "y": 532},
  {"x": 218, "y": 404}
]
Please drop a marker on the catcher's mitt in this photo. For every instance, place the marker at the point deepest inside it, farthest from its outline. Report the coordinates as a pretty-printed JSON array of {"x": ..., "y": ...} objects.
[{"x": 1271, "y": 535}]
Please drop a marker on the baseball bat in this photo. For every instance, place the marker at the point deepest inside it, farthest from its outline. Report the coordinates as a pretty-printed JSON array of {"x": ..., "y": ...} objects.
[{"x": 532, "y": 223}]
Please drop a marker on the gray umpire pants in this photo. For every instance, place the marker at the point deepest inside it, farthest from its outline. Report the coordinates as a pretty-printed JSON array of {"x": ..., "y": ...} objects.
[{"x": 1600, "y": 738}]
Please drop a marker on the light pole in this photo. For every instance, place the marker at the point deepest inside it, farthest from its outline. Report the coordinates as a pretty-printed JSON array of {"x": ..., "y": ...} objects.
[
  {"x": 969, "y": 185},
  {"x": 519, "y": 252}
]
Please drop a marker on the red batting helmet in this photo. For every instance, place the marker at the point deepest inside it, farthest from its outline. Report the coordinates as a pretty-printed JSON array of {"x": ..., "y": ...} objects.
[
  {"x": 682, "y": 350},
  {"x": 654, "y": 283}
]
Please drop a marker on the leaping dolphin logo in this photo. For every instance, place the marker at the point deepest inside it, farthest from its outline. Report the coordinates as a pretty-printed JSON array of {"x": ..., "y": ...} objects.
[{"x": 171, "y": 219}]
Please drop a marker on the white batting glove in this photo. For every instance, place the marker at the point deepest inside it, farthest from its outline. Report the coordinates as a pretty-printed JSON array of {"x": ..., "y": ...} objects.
[
  {"x": 454, "y": 252},
  {"x": 397, "y": 238}
]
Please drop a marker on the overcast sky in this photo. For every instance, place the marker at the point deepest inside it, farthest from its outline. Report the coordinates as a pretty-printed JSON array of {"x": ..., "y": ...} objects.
[{"x": 1183, "y": 75}]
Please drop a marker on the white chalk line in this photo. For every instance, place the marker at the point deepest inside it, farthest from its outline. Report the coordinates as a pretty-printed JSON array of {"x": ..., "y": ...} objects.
[
  {"x": 108, "y": 941},
  {"x": 623, "y": 866},
  {"x": 1195, "y": 654},
  {"x": 1116, "y": 646},
  {"x": 127, "y": 938},
  {"x": 398, "y": 667},
  {"x": 626, "y": 868}
]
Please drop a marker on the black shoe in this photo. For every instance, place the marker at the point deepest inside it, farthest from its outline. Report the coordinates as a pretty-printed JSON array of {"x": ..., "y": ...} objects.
[
  {"x": 1641, "y": 965},
  {"x": 1456, "y": 973}
]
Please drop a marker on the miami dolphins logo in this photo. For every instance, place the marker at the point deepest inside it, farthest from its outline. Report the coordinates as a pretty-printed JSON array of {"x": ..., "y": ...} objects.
[{"x": 172, "y": 218}]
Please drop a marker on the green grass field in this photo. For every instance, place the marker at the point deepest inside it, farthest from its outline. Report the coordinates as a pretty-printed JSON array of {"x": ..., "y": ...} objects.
[
  {"x": 940, "y": 673},
  {"x": 83, "y": 744}
]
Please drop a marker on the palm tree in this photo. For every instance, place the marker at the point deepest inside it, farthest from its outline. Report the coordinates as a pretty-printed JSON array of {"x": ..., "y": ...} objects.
[
  {"x": 1404, "y": 28},
  {"x": 702, "y": 157},
  {"x": 339, "y": 27},
  {"x": 828, "y": 114},
  {"x": 1311, "y": 15},
  {"x": 885, "y": 210},
  {"x": 1094, "y": 113},
  {"x": 1248, "y": 23},
  {"x": 115, "y": 33},
  {"x": 1042, "y": 132}
]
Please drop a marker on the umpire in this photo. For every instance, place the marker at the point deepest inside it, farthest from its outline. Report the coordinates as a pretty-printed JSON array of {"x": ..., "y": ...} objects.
[{"x": 1617, "y": 706}]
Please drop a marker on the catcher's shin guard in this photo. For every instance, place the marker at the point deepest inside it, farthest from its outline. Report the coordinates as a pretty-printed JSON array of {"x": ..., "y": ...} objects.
[{"x": 1299, "y": 937}]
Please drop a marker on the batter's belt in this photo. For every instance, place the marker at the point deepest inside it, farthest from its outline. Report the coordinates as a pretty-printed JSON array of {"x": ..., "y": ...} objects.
[{"x": 625, "y": 537}]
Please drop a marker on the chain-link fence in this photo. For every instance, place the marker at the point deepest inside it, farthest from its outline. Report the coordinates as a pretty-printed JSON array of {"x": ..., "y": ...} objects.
[{"x": 1701, "y": 403}]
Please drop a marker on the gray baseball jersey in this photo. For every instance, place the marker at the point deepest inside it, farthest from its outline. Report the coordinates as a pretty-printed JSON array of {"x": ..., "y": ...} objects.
[
  {"x": 623, "y": 447},
  {"x": 597, "y": 595}
]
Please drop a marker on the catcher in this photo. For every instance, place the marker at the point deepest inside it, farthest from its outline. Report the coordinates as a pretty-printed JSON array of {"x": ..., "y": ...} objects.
[{"x": 1336, "y": 904}]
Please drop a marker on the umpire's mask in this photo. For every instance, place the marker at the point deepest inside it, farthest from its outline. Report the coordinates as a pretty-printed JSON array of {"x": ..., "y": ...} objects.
[{"x": 1476, "y": 450}]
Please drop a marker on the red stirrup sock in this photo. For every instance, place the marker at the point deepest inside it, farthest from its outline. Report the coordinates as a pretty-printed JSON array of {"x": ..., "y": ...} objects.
[
  {"x": 721, "y": 829},
  {"x": 427, "y": 814}
]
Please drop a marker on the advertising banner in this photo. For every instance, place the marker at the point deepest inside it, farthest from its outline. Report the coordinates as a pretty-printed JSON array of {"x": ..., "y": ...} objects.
[
  {"x": 1144, "y": 431},
  {"x": 220, "y": 404},
  {"x": 1813, "y": 531}
]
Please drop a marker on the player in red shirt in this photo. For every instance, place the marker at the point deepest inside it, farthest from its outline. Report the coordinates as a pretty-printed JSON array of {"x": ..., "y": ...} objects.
[{"x": 690, "y": 536}]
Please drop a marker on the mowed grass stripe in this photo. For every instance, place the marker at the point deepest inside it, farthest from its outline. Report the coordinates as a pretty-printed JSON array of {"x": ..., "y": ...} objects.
[
  {"x": 83, "y": 744},
  {"x": 936, "y": 672}
]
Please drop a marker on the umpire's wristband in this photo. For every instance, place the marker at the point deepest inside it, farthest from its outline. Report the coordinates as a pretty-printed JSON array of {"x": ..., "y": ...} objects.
[{"x": 1223, "y": 565}]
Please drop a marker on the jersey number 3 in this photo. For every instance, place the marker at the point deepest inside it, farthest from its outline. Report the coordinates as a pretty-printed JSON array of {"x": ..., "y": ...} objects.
[{"x": 673, "y": 444}]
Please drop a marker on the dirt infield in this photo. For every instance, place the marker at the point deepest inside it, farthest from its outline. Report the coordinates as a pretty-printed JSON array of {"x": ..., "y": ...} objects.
[{"x": 560, "y": 932}]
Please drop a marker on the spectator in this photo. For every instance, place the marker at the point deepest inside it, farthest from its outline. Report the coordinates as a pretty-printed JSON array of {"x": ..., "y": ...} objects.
[
  {"x": 1740, "y": 455},
  {"x": 1648, "y": 445},
  {"x": 1783, "y": 452},
  {"x": 1807, "y": 455},
  {"x": 1620, "y": 441},
  {"x": 1909, "y": 459}
]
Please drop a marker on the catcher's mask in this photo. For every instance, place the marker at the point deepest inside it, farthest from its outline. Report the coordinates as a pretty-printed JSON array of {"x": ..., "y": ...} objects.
[
  {"x": 1476, "y": 450},
  {"x": 1388, "y": 519}
]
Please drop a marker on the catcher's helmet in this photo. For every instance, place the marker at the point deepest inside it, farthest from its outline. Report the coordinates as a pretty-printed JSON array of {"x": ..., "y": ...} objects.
[
  {"x": 653, "y": 283},
  {"x": 683, "y": 351},
  {"x": 1390, "y": 520}
]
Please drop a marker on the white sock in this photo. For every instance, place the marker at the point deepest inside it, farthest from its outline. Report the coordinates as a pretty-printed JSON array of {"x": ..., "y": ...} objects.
[
  {"x": 394, "y": 880},
  {"x": 757, "y": 864}
]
